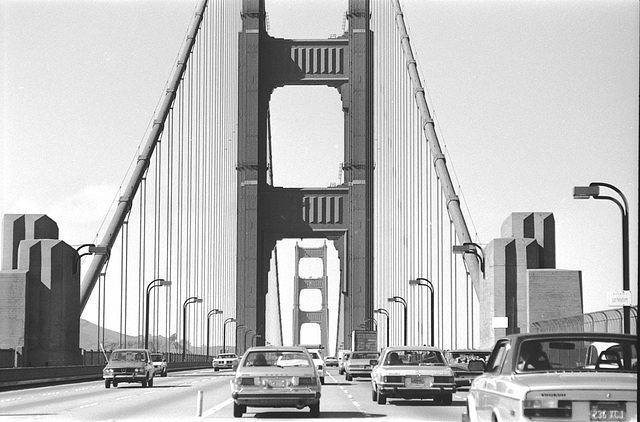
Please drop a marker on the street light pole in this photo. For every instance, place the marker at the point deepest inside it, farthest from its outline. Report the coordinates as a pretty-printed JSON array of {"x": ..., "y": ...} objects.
[
  {"x": 155, "y": 283},
  {"x": 253, "y": 337},
  {"x": 224, "y": 333},
  {"x": 237, "y": 328},
  {"x": 472, "y": 248},
  {"x": 429, "y": 285},
  {"x": 245, "y": 339},
  {"x": 401, "y": 300},
  {"x": 211, "y": 312},
  {"x": 192, "y": 299},
  {"x": 385, "y": 313},
  {"x": 593, "y": 191}
]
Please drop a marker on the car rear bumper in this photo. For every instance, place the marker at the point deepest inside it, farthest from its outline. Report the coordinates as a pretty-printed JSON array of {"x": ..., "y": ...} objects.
[
  {"x": 298, "y": 400},
  {"x": 416, "y": 393}
]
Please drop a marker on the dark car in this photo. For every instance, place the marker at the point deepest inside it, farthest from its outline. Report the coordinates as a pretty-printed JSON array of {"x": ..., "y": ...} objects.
[
  {"x": 467, "y": 364},
  {"x": 129, "y": 365}
]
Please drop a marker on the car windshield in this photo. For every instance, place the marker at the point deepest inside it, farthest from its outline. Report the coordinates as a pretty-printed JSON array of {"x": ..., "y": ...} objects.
[
  {"x": 127, "y": 356},
  {"x": 314, "y": 355},
  {"x": 226, "y": 356},
  {"x": 362, "y": 355},
  {"x": 277, "y": 359},
  {"x": 414, "y": 358},
  {"x": 589, "y": 353},
  {"x": 156, "y": 357}
]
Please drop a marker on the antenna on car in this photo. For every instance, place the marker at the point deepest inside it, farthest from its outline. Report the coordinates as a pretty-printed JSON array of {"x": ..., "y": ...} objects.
[{"x": 104, "y": 353}]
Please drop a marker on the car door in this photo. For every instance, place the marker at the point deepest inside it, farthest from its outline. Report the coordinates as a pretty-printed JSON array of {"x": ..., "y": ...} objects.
[{"x": 485, "y": 397}]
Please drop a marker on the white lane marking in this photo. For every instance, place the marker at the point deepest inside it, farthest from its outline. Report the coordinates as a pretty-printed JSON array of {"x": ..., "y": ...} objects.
[
  {"x": 88, "y": 405},
  {"x": 123, "y": 398},
  {"x": 216, "y": 408}
]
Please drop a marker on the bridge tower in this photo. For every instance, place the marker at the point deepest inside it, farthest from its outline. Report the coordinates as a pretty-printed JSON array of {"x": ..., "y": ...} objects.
[
  {"x": 319, "y": 316},
  {"x": 267, "y": 213}
]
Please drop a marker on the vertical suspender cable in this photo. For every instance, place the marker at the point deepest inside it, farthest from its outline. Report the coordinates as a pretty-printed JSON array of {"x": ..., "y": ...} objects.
[{"x": 125, "y": 202}]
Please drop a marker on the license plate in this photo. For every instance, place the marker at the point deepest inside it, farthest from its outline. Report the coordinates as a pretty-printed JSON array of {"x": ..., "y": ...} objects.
[
  {"x": 276, "y": 383},
  {"x": 605, "y": 411}
]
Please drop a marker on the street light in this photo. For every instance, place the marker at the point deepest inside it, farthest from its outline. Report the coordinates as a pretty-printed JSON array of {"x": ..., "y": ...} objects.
[
  {"x": 593, "y": 191},
  {"x": 386, "y": 313},
  {"x": 253, "y": 337},
  {"x": 238, "y": 327},
  {"x": 211, "y": 312},
  {"x": 472, "y": 248},
  {"x": 429, "y": 285},
  {"x": 190, "y": 300},
  {"x": 245, "y": 338},
  {"x": 224, "y": 333},
  {"x": 399, "y": 299},
  {"x": 155, "y": 283}
]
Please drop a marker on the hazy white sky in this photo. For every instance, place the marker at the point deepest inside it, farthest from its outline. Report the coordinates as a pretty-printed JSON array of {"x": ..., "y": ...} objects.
[{"x": 531, "y": 97}]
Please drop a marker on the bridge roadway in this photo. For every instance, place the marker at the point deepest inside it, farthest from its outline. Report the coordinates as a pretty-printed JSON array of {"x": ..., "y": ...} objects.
[{"x": 176, "y": 398}]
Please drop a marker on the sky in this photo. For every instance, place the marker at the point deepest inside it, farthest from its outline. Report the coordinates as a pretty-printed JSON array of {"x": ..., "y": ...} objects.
[{"x": 531, "y": 98}]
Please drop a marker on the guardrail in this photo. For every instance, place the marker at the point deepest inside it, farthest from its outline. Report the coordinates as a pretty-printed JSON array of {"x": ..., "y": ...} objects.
[{"x": 16, "y": 378}]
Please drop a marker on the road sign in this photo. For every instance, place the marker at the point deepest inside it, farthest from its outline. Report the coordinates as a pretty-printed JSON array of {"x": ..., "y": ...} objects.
[{"x": 618, "y": 298}]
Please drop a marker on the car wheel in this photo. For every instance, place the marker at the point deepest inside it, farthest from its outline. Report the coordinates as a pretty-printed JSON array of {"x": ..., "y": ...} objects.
[
  {"x": 340, "y": 372},
  {"x": 322, "y": 380},
  {"x": 382, "y": 399},
  {"x": 347, "y": 376},
  {"x": 315, "y": 410},
  {"x": 238, "y": 410},
  {"x": 164, "y": 373},
  {"x": 150, "y": 383},
  {"x": 107, "y": 383},
  {"x": 216, "y": 369},
  {"x": 144, "y": 383},
  {"x": 115, "y": 383},
  {"x": 374, "y": 394}
]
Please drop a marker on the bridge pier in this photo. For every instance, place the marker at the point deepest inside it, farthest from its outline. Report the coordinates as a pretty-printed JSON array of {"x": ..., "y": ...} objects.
[{"x": 39, "y": 292}]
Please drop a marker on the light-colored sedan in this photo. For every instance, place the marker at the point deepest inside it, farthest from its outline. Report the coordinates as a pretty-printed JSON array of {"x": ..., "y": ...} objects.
[
  {"x": 129, "y": 365},
  {"x": 558, "y": 376},
  {"x": 412, "y": 372},
  {"x": 360, "y": 364},
  {"x": 225, "y": 361},
  {"x": 276, "y": 377}
]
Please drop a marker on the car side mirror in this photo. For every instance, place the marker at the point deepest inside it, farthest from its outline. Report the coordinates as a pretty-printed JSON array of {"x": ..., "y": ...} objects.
[
  {"x": 476, "y": 366},
  {"x": 373, "y": 362}
]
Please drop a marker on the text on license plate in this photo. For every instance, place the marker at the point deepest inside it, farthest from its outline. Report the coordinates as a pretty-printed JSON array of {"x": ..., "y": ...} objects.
[
  {"x": 276, "y": 383},
  {"x": 604, "y": 411}
]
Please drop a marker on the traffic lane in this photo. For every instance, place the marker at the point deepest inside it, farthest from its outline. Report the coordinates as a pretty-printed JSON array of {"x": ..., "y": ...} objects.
[
  {"x": 358, "y": 391},
  {"x": 172, "y": 397},
  {"x": 333, "y": 405}
]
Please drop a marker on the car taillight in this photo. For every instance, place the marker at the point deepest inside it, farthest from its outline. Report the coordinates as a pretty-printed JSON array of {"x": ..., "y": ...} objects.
[
  {"x": 306, "y": 381},
  {"x": 245, "y": 381},
  {"x": 393, "y": 378},
  {"x": 443, "y": 380},
  {"x": 547, "y": 408}
]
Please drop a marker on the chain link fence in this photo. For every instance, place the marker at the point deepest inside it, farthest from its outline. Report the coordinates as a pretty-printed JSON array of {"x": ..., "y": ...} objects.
[{"x": 609, "y": 321}]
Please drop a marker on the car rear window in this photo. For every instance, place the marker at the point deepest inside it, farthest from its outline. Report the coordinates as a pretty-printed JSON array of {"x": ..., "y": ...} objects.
[{"x": 277, "y": 359}]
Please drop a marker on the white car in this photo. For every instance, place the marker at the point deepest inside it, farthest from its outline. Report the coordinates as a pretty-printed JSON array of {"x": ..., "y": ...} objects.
[
  {"x": 225, "y": 361},
  {"x": 159, "y": 364},
  {"x": 320, "y": 366},
  {"x": 360, "y": 364},
  {"x": 270, "y": 376},
  {"x": 412, "y": 372},
  {"x": 558, "y": 376}
]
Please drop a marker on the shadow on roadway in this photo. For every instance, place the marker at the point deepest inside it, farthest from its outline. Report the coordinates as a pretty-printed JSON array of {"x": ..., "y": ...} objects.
[
  {"x": 307, "y": 415},
  {"x": 417, "y": 402}
]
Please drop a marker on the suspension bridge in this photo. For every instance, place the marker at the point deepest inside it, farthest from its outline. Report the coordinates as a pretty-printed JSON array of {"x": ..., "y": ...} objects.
[{"x": 189, "y": 256}]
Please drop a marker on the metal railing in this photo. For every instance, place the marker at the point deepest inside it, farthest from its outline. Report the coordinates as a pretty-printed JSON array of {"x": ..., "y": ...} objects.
[{"x": 609, "y": 321}]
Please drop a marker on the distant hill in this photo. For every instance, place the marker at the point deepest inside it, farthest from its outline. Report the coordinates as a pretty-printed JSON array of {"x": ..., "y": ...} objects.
[{"x": 89, "y": 340}]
